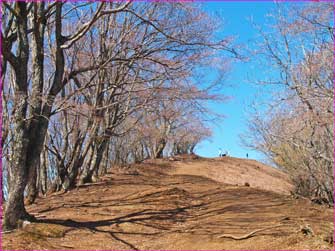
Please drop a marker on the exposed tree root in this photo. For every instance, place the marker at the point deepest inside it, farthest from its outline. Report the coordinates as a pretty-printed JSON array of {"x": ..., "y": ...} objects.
[{"x": 243, "y": 237}]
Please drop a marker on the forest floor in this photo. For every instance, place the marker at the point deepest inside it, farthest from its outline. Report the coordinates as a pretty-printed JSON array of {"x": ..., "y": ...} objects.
[{"x": 180, "y": 204}]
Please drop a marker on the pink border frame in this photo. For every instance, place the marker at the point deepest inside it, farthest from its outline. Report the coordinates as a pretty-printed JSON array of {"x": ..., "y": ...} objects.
[{"x": 1, "y": 87}]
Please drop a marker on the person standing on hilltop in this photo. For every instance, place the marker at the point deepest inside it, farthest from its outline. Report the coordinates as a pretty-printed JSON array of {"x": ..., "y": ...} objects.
[{"x": 220, "y": 152}]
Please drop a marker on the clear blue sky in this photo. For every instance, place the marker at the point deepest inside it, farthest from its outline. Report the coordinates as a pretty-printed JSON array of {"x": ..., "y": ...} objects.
[{"x": 238, "y": 85}]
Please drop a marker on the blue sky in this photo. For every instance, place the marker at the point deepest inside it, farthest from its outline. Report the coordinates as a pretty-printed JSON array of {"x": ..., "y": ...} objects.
[{"x": 238, "y": 83}]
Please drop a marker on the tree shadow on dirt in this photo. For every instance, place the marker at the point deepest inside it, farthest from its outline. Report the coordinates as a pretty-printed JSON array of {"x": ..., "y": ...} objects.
[{"x": 142, "y": 217}]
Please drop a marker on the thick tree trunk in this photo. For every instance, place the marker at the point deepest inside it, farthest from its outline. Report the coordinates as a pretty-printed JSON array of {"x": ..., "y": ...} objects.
[
  {"x": 15, "y": 209},
  {"x": 37, "y": 136},
  {"x": 34, "y": 158},
  {"x": 37, "y": 128},
  {"x": 26, "y": 146}
]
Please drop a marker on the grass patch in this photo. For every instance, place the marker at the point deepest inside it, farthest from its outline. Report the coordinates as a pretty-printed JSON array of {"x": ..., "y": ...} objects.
[{"x": 46, "y": 230}]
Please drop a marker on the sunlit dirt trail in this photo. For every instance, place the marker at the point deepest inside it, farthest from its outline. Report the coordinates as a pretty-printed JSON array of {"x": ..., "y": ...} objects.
[{"x": 178, "y": 204}]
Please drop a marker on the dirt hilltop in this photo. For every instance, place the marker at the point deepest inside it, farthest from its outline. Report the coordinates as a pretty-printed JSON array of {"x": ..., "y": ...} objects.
[
  {"x": 177, "y": 204},
  {"x": 236, "y": 171}
]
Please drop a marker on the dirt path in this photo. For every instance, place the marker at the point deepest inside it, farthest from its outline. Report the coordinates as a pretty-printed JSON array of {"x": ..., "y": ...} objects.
[{"x": 160, "y": 207}]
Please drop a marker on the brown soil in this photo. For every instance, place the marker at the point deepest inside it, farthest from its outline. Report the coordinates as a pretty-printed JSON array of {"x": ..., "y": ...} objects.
[{"x": 185, "y": 203}]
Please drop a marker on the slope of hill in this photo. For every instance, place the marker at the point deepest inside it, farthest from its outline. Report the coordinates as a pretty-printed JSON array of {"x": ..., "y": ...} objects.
[
  {"x": 236, "y": 171},
  {"x": 181, "y": 204}
]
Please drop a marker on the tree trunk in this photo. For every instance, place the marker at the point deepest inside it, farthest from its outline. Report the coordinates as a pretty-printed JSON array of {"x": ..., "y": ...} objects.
[
  {"x": 87, "y": 175},
  {"x": 15, "y": 205},
  {"x": 76, "y": 162},
  {"x": 160, "y": 148},
  {"x": 15, "y": 209},
  {"x": 44, "y": 174},
  {"x": 105, "y": 159},
  {"x": 192, "y": 148},
  {"x": 28, "y": 144},
  {"x": 86, "y": 167},
  {"x": 37, "y": 137},
  {"x": 32, "y": 189}
]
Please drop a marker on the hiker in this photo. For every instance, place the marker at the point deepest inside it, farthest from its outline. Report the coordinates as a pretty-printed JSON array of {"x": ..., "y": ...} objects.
[
  {"x": 247, "y": 156},
  {"x": 220, "y": 152}
]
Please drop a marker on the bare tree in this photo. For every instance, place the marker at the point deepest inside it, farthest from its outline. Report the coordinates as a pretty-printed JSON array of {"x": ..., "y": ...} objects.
[
  {"x": 29, "y": 114},
  {"x": 296, "y": 132},
  {"x": 83, "y": 74}
]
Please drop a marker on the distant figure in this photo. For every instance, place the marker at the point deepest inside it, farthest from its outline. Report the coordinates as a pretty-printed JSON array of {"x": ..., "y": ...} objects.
[
  {"x": 247, "y": 156},
  {"x": 220, "y": 152}
]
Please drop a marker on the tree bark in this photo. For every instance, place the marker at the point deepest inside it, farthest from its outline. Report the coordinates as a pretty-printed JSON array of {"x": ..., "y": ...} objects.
[
  {"x": 44, "y": 174},
  {"x": 160, "y": 148},
  {"x": 28, "y": 142},
  {"x": 36, "y": 136},
  {"x": 15, "y": 209}
]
